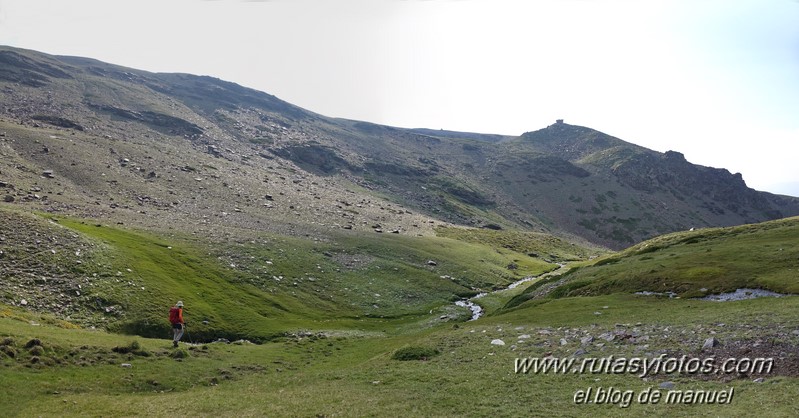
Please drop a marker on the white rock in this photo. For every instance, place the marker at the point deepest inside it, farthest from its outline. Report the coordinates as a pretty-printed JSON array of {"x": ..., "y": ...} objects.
[
  {"x": 497, "y": 342},
  {"x": 710, "y": 343}
]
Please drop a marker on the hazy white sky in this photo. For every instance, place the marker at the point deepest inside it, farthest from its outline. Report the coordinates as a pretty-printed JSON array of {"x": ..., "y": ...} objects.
[{"x": 715, "y": 79}]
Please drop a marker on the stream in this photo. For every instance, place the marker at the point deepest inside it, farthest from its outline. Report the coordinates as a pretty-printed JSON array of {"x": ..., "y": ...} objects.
[{"x": 477, "y": 310}]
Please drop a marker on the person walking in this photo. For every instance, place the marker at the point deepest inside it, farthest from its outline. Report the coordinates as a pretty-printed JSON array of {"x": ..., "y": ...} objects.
[{"x": 176, "y": 318}]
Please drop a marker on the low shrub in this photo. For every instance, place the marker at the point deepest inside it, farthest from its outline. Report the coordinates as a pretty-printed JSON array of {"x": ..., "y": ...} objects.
[
  {"x": 179, "y": 354},
  {"x": 133, "y": 348},
  {"x": 415, "y": 353},
  {"x": 33, "y": 342},
  {"x": 36, "y": 350},
  {"x": 8, "y": 350}
]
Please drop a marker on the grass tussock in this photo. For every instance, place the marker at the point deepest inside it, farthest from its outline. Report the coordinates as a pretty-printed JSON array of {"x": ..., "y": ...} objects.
[{"x": 415, "y": 353}]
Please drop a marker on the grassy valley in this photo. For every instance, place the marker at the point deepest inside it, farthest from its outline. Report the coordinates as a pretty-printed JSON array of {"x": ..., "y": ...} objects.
[
  {"x": 322, "y": 338},
  {"x": 256, "y": 289},
  {"x": 332, "y": 267}
]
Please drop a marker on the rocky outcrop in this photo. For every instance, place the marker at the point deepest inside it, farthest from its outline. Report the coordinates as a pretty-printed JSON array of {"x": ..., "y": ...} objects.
[
  {"x": 652, "y": 172},
  {"x": 315, "y": 158},
  {"x": 159, "y": 121}
]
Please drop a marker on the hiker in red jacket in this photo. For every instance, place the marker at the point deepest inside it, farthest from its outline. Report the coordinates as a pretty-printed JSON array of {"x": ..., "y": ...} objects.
[{"x": 176, "y": 318}]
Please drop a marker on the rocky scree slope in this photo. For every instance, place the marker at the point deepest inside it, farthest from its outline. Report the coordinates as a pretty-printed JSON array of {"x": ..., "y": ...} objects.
[{"x": 213, "y": 152}]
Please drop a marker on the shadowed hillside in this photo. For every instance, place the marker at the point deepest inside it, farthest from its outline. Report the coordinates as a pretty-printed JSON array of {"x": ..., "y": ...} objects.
[{"x": 196, "y": 148}]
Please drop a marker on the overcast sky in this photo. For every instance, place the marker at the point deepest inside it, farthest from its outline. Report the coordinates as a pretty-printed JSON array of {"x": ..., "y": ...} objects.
[{"x": 717, "y": 80}]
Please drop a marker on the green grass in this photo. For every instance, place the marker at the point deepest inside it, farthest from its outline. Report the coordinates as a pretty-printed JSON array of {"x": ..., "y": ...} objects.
[
  {"x": 357, "y": 376},
  {"x": 331, "y": 347},
  {"x": 532, "y": 244},
  {"x": 164, "y": 273},
  {"x": 717, "y": 260},
  {"x": 261, "y": 289}
]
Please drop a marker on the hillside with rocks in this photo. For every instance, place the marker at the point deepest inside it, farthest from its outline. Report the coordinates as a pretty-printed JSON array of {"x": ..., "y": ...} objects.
[
  {"x": 333, "y": 267},
  {"x": 92, "y": 139}
]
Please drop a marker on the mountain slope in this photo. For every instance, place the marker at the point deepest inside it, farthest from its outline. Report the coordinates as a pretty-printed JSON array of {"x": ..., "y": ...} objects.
[
  {"x": 198, "y": 148},
  {"x": 120, "y": 279},
  {"x": 692, "y": 264},
  {"x": 332, "y": 243}
]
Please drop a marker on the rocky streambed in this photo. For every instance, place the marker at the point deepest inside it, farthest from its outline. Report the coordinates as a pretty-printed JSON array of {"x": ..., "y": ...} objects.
[
  {"x": 478, "y": 311},
  {"x": 743, "y": 294}
]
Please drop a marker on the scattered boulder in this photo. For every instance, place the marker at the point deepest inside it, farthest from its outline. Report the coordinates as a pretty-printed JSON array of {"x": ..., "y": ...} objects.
[
  {"x": 667, "y": 385},
  {"x": 608, "y": 336},
  {"x": 497, "y": 342},
  {"x": 431, "y": 263},
  {"x": 710, "y": 343}
]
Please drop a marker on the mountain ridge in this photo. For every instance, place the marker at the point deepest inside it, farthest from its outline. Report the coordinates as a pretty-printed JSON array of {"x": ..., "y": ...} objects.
[
  {"x": 564, "y": 179},
  {"x": 334, "y": 267}
]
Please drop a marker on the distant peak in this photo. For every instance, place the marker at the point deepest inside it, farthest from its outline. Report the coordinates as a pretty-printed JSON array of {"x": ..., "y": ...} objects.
[{"x": 674, "y": 155}]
